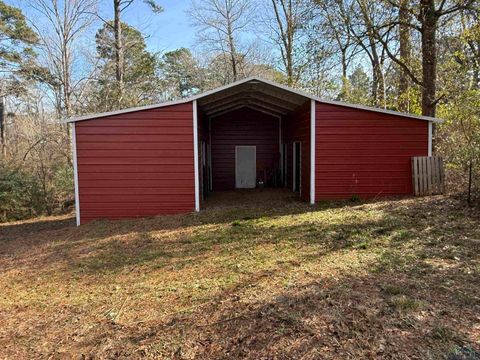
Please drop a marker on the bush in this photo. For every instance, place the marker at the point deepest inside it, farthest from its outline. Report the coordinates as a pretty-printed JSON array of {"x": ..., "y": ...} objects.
[{"x": 25, "y": 194}]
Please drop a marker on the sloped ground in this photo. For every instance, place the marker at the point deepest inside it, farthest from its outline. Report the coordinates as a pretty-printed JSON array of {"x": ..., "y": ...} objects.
[{"x": 254, "y": 276}]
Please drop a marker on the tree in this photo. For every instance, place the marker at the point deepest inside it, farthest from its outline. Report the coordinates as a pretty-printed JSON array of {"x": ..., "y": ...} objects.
[
  {"x": 181, "y": 73},
  {"x": 16, "y": 59},
  {"x": 405, "y": 49},
  {"x": 119, "y": 6},
  {"x": 425, "y": 18},
  {"x": 139, "y": 73},
  {"x": 221, "y": 26},
  {"x": 330, "y": 21},
  {"x": 358, "y": 86},
  {"x": 65, "y": 22},
  {"x": 285, "y": 30},
  {"x": 459, "y": 67},
  {"x": 359, "y": 18}
]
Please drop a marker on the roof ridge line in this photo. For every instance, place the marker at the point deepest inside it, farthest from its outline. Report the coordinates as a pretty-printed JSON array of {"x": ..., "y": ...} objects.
[{"x": 243, "y": 81}]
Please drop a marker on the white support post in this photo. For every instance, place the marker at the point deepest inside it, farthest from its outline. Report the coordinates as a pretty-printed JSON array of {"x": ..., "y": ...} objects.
[
  {"x": 195, "y": 156},
  {"x": 430, "y": 138},
  {"x": 75, "y": 174},
  {"x": 312, "y": 152}
]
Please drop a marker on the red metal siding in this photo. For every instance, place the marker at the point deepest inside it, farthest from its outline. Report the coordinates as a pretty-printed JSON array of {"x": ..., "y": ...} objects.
[
  {"x": 364, "y": 153},
  {"x": 297, "y": 128},
  {"x": 136, "y": 164},
  {"x": 242, "y": 127}
]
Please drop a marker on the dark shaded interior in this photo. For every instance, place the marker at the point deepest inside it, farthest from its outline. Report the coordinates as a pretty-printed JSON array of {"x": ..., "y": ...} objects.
[{"x": 254, "y": 114}]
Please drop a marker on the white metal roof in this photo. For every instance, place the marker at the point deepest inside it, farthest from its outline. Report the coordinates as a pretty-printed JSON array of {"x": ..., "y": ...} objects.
[{"x": 252, "y": 92}]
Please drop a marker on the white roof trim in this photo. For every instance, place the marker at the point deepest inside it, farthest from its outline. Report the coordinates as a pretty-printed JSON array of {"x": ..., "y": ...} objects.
[
  {"x": 125, "y": 111},
  {"x": 243, "y": 81}
]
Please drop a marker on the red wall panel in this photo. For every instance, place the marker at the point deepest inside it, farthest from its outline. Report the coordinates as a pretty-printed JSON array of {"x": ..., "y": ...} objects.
[
  {"x": 365, "y": 153},
  {"x": 136, "y": 164},
  {"x": 242, "y": 127}
]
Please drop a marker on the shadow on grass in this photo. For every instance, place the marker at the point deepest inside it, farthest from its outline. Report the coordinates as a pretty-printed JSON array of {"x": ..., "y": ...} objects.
[
  {"x": 417, "y": 298},
  {"x": 12, "y": 232},
  {"x": 64, "y": 239},
  {"x": 110, "y": 246},
  {"x": 376, "y": 315},
  {"x": 420, "y": 299},
  {"x": 193, "y": 246},
  {"x": 241, "y": 231},
  {"x": 222, "y": 207}
]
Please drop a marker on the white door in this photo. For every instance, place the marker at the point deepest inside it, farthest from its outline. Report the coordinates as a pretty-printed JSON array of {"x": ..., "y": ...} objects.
[{"x": 245, "y": 167}]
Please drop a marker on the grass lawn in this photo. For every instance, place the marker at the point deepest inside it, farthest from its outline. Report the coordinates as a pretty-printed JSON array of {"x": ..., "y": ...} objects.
[{"x": 276, "y": 279}]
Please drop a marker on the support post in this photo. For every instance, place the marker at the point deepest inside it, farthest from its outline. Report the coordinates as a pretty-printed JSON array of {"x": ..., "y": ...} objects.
[
  {"x": 430, "y": 138},
  {"x": 312, "y": 151},
  {"x": 195, "y": 156},
  {"x": 75, "y": 173}
]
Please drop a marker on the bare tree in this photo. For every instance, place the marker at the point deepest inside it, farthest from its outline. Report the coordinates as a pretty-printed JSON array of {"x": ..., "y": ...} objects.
[
  {"x": 221, "y": 25},
  {"x": 404, "y": 37},
  {"x": 359, "y": 18},
  {"x": 289, "y": 17},
  {"x": 65, "y": 21},
  {"x": 331, "y": 26}
]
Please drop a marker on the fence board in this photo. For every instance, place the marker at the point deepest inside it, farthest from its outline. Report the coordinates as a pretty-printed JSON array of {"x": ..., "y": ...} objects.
[
  {"x": 430, "y": 176},
  {"x": 442, "y": 175},
  {"x": 427, "y": 175},
  {"x": 415, "y": 174}
]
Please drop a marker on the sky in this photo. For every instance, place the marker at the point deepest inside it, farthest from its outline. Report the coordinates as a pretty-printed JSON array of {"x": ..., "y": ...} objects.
[
  {"x": 166, "y": 31},
  {"x": 169, "y": 30}
]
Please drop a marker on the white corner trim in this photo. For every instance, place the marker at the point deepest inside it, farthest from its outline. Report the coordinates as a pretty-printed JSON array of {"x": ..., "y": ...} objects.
[
  {"x": 75, "y": 174},
  {"x": 312, "y": 151},
  {"x": 195, "y": 156},
  {"x": 430, "y": 138}
]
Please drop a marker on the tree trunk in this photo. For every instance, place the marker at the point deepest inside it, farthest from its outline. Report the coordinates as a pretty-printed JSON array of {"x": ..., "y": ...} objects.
[
  {"x": 233, "y": 55},
  {"x": 67, "y": 92},
  {"x": 378, "y": 85},
  {"x": 344, "y": 73},
  {"x": 287, "y": 36},
  {"x": 429, "y": 56},
  {"x": 405, "y": 51},
  {"x": 3, "y": 127},
  {"x": 470, "y": 176},
  {"x": 119, "y": 55},
  {"x": 374, "y": 83},
  {"x": 290, "y": 40}
]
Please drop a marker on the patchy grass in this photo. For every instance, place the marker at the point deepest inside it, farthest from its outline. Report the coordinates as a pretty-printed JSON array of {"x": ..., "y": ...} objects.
[{"x": 391, "y": 279}]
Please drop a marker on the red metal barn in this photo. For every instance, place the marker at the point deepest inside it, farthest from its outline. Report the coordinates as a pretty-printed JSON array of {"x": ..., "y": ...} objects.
[{"x": 165, "y": 158}]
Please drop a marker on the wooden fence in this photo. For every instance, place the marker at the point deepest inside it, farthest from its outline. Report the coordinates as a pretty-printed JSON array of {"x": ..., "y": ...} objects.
[{"x": 428, "y": 175}]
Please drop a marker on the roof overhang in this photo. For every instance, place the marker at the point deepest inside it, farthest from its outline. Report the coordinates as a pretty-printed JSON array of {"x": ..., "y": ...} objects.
[{"x": 254, "y": 93}]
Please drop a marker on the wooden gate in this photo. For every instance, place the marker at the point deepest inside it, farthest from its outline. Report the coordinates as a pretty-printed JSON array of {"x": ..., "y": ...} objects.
[{"x": 428, "y": 175}]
